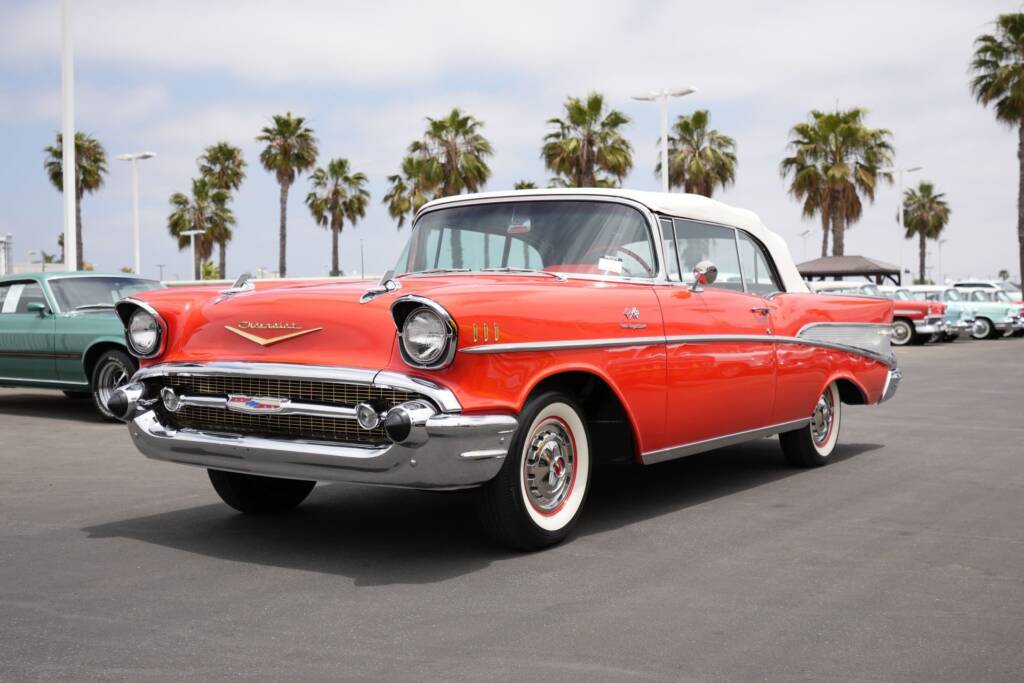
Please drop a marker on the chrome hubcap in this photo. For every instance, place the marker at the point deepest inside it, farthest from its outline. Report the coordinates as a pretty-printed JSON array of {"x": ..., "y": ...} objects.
[
  {"x": 821, "y": 419},
  {"x": 980, "y": 328},
  {"x": 900, "y": 333},
  {"x": 111, "y": 376},
  {"x": 548, "y": 466}
]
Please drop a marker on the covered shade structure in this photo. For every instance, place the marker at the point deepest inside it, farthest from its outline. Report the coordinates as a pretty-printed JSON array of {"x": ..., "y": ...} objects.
[{"x": 850, "y": 266}]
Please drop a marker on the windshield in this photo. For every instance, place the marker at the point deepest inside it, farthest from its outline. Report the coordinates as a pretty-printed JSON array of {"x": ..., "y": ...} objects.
[
  {"x": 100, "y": 291},
  {"x": 563, "y": 236}
]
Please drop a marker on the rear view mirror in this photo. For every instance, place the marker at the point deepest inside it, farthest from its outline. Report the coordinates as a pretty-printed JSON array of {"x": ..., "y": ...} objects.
[{"x": 38, "y": 308}]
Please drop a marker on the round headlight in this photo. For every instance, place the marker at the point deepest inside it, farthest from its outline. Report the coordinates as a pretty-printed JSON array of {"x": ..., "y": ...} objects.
[
  {"x": 424, "y": 336},
  {"x": 143, "y": 332}
]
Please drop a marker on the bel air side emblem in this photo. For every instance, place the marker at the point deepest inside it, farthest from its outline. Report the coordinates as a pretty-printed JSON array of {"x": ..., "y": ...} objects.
[
  {"x": 240, "y": 403},
  {"x": 243, "y": 326},
  {"x": 632, "y": 314}
]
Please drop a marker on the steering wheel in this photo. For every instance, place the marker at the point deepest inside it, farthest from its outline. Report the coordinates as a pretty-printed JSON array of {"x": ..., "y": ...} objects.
[{"x": 601, "y": 250}]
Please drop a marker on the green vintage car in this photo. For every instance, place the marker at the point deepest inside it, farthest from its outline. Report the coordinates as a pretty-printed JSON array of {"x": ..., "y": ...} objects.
[{"x": 59, "y": 331}]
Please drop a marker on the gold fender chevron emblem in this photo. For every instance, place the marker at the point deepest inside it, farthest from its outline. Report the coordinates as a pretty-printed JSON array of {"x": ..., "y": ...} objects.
[{"x": 267, "y": 341}]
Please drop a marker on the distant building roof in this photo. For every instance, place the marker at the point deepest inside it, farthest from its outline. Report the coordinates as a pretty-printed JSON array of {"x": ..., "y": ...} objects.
[{"x": 842, "y": 266}]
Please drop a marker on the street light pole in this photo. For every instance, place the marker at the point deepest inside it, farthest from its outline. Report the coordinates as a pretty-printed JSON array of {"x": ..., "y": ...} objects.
[
  {"x": 196, "y": 273},
  {"x": 941, "y": 242},
  {"x": 804, "y": 235},
  {"x": 662, "y": 96},
  {"x": 161, "y": 266},
  {"x": 899, "y": 216},
  {"x": 134, "y": 158},
  {"x": 67, "y": 94}
]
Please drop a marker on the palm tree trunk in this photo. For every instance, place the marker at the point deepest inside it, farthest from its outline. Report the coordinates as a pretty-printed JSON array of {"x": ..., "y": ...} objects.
[
  {"x": 922, "y": 248},
  {"x": 223, "y": 266},
  {"x": 197, "y": 272},
  {"x": 335, "y": 235},
  {"x": 838, "y": 231},
  {"x": 79, "y": 256},
  {"x": 282, "y": 246},
  {"x": 824, "y": 234},
  {"x": 1020, "y": 199}
]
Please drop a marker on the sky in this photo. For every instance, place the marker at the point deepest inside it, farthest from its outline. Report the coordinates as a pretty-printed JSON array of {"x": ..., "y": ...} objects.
[{"x": 172, "y": 78}]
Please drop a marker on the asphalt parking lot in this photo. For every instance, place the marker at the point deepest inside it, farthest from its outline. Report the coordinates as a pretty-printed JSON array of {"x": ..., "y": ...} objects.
[{"x": 902, "y": 560}]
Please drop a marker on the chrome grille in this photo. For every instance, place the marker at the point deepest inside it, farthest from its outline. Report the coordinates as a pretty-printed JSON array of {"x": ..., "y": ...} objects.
[{"x": 278, "y": 426}]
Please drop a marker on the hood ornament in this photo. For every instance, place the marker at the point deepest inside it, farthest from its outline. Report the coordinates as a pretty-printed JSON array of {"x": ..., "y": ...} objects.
[
  {"x": 243, "y": 284},
  {"x": 241, "y": 328}
]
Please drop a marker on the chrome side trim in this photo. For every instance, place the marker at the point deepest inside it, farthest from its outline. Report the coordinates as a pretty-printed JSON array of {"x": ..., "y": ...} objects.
[
  {"x": 43, "y": 381},
  {"x": 673, "y": 339},
  {"x": 673, "y": 452},
  {"x": 444, "y": 398}
]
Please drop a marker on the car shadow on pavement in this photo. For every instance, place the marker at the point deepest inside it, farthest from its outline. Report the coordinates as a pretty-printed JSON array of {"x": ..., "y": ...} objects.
[
  {"x": 51, "y": 405},
  {"x": 379, "y": 536}
]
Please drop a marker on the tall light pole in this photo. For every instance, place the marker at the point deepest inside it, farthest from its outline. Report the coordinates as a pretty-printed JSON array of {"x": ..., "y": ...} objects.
[
  {"x": 941, "y": 242},
  {"x": 135, "y": 157},
  {"x": 196, "y": 272},
  {"x": 663, "y": 96},
  {"x": 67, "y": 95},
  {"x": 899, "y": 216},
  {"x": 161, "y": 266}
]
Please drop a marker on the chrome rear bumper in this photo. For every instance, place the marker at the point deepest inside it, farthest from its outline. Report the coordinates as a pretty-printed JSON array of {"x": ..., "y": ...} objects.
[
  {"x": 892, "y": 383},
  {"x": 460, "y": 451}
]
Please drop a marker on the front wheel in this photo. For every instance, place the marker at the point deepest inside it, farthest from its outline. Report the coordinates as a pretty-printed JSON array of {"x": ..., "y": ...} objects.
[
  {"x": 113, "y": 369},
  {"x": 255, "y": 495},
  {"x": 537, "y": 496},
  {"x": 902, "y": 332},
  {"x": 812, "y": 445},
  {"x": 983, "y": 328}
]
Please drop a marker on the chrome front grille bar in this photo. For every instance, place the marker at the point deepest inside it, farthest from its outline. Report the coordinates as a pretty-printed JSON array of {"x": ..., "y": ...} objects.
[{"x": 289, "y": 408}]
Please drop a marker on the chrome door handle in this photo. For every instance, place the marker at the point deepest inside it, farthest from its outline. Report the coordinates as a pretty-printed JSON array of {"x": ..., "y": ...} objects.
[{"x": 762, "y": 310}]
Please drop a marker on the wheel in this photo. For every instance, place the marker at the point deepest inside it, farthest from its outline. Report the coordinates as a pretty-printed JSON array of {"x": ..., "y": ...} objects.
[
  {"x": 113, "y": 369},
  {"x": 537, "y": 496},
  {"x": 812, "y": 445},
  {"x": 983, "y": 329},
  {"x": 256, "y": 495},
  {"x": 77, "y": 395},
  {"x": 902, "y": 332}
]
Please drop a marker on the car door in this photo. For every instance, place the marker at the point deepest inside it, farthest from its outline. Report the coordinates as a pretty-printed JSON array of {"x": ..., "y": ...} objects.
[
  {"x": 26, "y": 334},
  {"x": 721, "y": 359}
]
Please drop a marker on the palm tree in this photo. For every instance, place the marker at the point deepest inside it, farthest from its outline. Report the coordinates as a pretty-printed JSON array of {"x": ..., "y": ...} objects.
[
  {"x": 588, "y": 143},
  {"x": 998, "y": 67},
  {"x": 525, "y": 185},
  {"x": 925, "y": 214},
  {"x": 848, "y": 155},
  {"x": 223, "y": 166},
  {"x": 90, "y": 167},
  {"x": 207, "y": 210},
  {"x": 290, "y": 150},
  {"x": 337, "y": 194},
  {"x": 810, "y": 187},
  {"x": 410, "y": 189},
  {"x": 699, "y": 158}
]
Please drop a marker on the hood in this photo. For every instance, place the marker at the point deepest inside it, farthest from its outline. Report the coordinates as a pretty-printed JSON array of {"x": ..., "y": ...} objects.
[{"x": 312, "y": 324}]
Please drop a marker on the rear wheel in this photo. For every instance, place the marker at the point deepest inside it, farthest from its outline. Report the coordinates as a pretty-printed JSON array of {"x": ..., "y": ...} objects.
[
  {"x": 902, "y": 332},
  {"x": 256, "y": 495},
  {"x": 537, "y": 496},
  {"x": 983, "y": 329},
  {"x": 812, "y": 445},
  {"x": 113, "y": 369}
]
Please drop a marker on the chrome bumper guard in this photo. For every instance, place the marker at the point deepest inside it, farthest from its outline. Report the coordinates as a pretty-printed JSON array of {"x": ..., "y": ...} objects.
[
  {"x": 892, "y": 382},
  {"x": 929, "y": 326}
]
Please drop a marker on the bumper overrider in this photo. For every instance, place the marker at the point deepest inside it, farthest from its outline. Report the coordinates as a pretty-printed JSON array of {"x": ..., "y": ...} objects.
[
  {"x": 429, "y": 443},
  {"x": 930, "y": 325}
]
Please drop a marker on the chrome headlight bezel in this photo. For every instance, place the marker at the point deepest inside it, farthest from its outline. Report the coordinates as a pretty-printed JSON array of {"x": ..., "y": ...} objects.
[
  {"x": 418, "y": 308},
  {"x": 127, "y": 311}
]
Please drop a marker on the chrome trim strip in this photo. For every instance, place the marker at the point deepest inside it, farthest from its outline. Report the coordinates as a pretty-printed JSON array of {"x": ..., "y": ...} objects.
[
  {"x": 673, "y": 452},
  {"x": 43, "y": 381},
  {"x": 444, "y": 398},
  {"x": 290, "y": 408},
  {"x": 675, "y": 339}
]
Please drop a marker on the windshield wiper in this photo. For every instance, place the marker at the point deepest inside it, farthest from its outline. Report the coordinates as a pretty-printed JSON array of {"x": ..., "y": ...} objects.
[
  {"x": 434, "y": 271},
  {"x": 530, "y": 271},
  {"x": 85, "y": 307}
]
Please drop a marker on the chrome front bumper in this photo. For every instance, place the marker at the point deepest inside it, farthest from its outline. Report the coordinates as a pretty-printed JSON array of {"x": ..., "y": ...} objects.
[
  {"x": 929, "y": 326},
  {"x": 460, "y": 451}
]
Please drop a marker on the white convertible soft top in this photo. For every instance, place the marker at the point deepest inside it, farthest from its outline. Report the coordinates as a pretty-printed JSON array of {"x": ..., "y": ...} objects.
[{"x": 679, "y": 205}]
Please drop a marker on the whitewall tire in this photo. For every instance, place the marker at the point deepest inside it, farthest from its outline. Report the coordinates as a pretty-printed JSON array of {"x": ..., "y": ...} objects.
[
  {"x": 812, "y": 445},
  {"x": 537, "y": 496}
]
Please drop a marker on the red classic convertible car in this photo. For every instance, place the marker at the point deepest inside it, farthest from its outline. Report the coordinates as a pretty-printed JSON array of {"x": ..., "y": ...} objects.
[{"x": 522, "y": 339}]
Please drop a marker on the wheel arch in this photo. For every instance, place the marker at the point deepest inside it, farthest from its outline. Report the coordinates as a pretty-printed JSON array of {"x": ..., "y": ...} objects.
[
  {"x": 100, "y": 346},
  {"x": 604, "y": 410}
]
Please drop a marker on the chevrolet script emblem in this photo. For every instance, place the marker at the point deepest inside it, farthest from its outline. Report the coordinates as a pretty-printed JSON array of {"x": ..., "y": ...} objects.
[
  {"x": 241, "y": 328},
  {"x": 255, "y": 406}
]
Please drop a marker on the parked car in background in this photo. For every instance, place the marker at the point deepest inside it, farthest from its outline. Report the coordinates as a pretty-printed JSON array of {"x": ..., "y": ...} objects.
[
  {"x": 991, "y": 319},
  {"x": 59, "y": 331},
  {"x": 1001, "y": 297},
  {"x": 523, "y": 338},
  {"x": 916, "y": 321},
  {"x": 1012, "y": 290},
  {"x": 913, "y": 322}
]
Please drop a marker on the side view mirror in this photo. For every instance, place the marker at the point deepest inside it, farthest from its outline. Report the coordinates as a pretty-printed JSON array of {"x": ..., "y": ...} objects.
[
  {"x": 37, "y": 307},
  {"x": 704, "y": 274}
]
